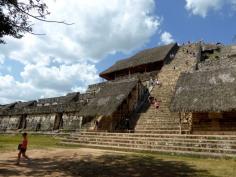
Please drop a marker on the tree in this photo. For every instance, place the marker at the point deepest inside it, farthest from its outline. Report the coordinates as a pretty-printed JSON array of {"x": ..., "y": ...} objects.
[{"x": 15, "y": 17}]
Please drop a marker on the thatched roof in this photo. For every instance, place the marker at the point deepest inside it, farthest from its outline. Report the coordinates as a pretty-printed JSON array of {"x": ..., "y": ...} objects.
[
  {"x": 206, "y": 91},
  {"x": 144, "y": 57},
  {"x": 68, "y": 103},
  {"x": 109, "y": 98},
  {"x": 8, "y": 106},
  {"x": 59, "y": 108},
  {"x": 60, "y": 100}
]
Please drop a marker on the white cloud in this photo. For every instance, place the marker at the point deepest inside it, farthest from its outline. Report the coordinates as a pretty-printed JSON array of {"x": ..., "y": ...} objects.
[
  {"x": 166, "y": 38},
  {"x": 2, "y": 58},
  {"x": 202, "y": 7},
  {"x": 64, "y": 59},
  {"x": 12, "y": 90},
  {"x": 101, "y": 27},
  {"x": 62, "y": 78},
  {"x": 42, "y": 81}
]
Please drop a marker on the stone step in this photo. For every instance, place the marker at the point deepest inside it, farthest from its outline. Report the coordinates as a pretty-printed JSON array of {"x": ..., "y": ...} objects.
[
  {"x": 161, "y": 131},
  {"x": 153, "y": 139},
  {"x": 157, "y": 118},
  {"x": 156, "y": 121},
  {"x": 158, "y": 112},
  {"x": 216, "y": 145},
  {"x": 211, "y": 137},
  {"x": 159, "y": 115},
  {"x": 160, "y": 127},
  {"x": 160, "y": 147},
  {"x": 160, "y": 124},
  {"x": 157, "y": 129},
  {"x": 178, "y": 152}
]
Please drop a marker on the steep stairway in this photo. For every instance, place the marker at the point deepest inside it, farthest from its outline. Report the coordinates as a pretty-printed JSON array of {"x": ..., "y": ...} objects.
[{"x": 161, "y": 120}]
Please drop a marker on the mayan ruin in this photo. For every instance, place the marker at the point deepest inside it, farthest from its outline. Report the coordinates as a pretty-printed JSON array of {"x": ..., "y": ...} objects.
[
  {"x": 196, "y": 91},
  {"x": 117, "y": 88}
]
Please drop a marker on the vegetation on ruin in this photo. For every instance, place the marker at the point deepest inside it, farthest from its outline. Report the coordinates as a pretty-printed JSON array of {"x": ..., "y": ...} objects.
[{"x": 16, "y": 17}]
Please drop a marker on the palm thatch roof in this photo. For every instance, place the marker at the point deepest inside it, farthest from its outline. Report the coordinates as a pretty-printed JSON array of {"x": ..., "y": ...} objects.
[
  {"x": 109, "y": 98},
  {"x": 206, "y": 91},
  {"x": 8, "y": 106},
  {"x": 59, "y": 108},
  {"x": 144, "y": 57},
  {"x": 68, "y": 103}
]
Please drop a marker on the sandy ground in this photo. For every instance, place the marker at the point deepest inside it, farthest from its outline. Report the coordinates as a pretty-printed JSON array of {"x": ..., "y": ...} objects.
[
  {"x": 55, "y": 162},
  {"x": 84, "y": 162}
]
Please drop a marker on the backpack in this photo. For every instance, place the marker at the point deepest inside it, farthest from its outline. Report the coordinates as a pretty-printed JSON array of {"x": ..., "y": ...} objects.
[{"x": 19, "y": 146}]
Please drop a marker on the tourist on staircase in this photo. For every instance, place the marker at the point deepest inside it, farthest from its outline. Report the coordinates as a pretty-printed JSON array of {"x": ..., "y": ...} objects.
[{"x": 96, "y": 123}]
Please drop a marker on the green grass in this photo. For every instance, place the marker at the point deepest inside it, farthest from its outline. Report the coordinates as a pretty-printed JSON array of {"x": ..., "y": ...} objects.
[
  {"x": 10, "y": 142},
  {"x": 202, "y": 166}
]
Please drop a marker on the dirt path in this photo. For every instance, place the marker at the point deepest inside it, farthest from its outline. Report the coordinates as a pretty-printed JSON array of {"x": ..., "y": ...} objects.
[
  {"x": 53, "y": 162},
  {"x": 83, "y": 162}
]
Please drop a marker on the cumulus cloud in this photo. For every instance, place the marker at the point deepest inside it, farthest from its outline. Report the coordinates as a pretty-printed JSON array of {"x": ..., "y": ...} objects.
[
  {"x": 12, "y": 90},
  {"x": 65, "y": 58},
  {"x": 166, "y": 38},
  {"x": 202, "y": 7},
  {"x": 61, "y": 78}
]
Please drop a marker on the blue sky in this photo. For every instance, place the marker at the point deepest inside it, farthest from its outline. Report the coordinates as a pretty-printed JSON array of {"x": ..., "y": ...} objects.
[
  {"x": 217, "y": 26},
  {"x": 69, "y": 58}
]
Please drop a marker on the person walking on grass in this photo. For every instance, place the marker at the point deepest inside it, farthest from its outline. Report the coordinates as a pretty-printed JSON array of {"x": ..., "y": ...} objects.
[{"x": 22, "y": 148}]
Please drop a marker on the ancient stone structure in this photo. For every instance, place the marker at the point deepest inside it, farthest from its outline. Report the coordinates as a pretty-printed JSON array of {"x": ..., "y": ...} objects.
[
  {"x": 209, "y": 93},
  {"x": 196, "y": 91}
]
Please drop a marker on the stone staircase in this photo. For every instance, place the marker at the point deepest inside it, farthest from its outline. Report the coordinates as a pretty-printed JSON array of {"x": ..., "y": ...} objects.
[
  {"x": 200, "y": 145},
  {"x": 152, "y": 120}
]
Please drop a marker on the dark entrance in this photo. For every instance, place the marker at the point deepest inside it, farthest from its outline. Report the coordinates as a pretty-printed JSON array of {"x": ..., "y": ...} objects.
[
  {"x": 22, "y": 122},
  {"x": 58, "y": 121}
]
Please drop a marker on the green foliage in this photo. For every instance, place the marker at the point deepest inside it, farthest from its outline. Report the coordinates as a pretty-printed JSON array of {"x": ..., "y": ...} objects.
[{"x": 14, "y": 16}]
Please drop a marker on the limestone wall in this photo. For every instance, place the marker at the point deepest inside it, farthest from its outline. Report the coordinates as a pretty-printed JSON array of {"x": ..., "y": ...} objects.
[
  {"x": 9, "y": 122},
  {"x": 71, "y": 121},
  {"x": 42, "y": 122},
  {"x": 214, "y": 122}
]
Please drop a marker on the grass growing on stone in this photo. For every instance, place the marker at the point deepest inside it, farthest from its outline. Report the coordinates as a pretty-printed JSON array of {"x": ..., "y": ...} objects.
[{"x": 10, "y": 142}]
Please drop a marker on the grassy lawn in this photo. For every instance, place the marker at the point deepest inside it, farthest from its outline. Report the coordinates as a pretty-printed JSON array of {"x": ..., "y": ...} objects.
[
  {"x": 194, "y": 166},
  {"x": 10, "y": 142}
]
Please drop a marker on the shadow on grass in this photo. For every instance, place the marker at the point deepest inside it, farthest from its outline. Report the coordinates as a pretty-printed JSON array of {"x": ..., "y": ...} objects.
[{"x": 108, "y": 166}]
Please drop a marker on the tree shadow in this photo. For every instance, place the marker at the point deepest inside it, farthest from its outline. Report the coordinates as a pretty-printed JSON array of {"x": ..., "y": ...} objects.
[{"x": 108, "y": 166}]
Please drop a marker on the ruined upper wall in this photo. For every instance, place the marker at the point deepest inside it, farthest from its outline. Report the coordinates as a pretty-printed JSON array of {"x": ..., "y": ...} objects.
[
  {"x": 217, "y": 56},
  {"x": 69, "y": 103},
  {"x": 71, "y": 97}
]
